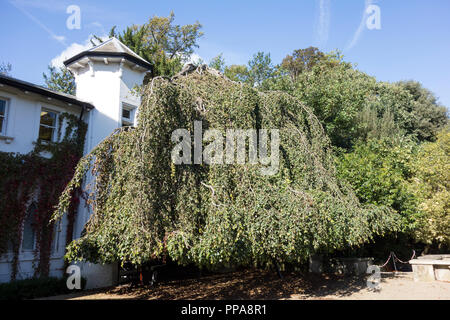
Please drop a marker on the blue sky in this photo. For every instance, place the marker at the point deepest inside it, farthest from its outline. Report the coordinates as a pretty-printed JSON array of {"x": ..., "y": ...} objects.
[{"x": 413, "y": 42}]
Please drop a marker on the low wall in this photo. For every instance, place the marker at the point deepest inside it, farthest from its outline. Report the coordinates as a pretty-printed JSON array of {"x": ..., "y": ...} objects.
[
  {"x": 99, "y": 275},
  {"x": 355, "y": 266},
  {"x": 431, "y": 268}
]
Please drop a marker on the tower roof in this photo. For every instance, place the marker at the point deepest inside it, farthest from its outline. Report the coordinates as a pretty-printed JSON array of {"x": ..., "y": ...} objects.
[{"x": 111, "y": 50}]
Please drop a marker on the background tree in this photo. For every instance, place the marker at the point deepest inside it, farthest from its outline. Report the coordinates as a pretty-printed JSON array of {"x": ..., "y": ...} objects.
[
  {"x": 256, "y": 73},
  {"x": 218, "y": 63},
  {"x": 378, "y": 171},
  {"x": 5, "y": 69},
  {"x": 339, "y": 94},
  {"x": 301, "y": 60},
  {"x": 161, "y": 42},
  {"x": 431, "y": 185},
  {"x": 260, "y": 69},
  {"x": 379, "y": 125},
  {"x": 60, "y": 79},
  {"x": 426, "y": 116},
  {"x": 237, "y": 72}
]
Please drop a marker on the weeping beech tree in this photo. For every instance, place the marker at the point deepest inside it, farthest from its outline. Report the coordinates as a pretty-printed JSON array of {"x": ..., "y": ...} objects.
[{"x": 145, "y": 207}]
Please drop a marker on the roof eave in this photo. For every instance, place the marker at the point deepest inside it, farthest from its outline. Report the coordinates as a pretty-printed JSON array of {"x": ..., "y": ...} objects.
[
  {"x": 25, "y": 86},
  {"x": 124, "y": 55}
]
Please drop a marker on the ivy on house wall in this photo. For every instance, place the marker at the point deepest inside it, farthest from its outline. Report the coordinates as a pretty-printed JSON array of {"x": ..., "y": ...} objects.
[{"x": 32, "y": 177}]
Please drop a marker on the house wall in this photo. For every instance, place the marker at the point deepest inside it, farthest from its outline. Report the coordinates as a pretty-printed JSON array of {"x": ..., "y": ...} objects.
[
  {"x": 130, "y": 78},
  {"x": 106, "y": 86},
  {"x": 23, "y": 118},
  {"x": 28, "y": 261}
]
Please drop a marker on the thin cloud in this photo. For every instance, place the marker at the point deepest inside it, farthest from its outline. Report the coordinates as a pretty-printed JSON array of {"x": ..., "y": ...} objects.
[
  {"x": 60, "y": 39},
  {"x": 97, "y": 25},
  {"x": 47, "y": 5},
  {"x": 361, "y": 28},
  {"x": 324, "y": 23}
]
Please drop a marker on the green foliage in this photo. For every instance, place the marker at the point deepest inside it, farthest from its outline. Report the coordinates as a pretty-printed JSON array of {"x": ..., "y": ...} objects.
[
  {"x": 60, "y": 80},
  {"x": 431, "y": 185},
  {"x": 173, "y": 39},
  {"x": 5, "y": 69},
  {"x": 35, "y": 288},
  {"x": 260, "y": 69},
  {"x": 257, "y": 73},
  {"x": 218, "y": 63},
  {"x": 372, "y": 125},
  {"x": 425, "y": 117},
  {"x": 161, "y": 42},
  {"x": 134, "y": 37},
  {"x": 237, "y": 73},
  {"x": 301, "y": 60},
  {"x": 144, "y": 207},
  {"x": 280, "y": 80},
  {"x": 339, "y": 94},
  {"x": 378, "y": 171}
]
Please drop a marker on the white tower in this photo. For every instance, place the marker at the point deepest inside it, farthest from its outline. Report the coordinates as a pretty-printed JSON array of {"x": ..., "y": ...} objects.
[{"x": 105, "y": 76}]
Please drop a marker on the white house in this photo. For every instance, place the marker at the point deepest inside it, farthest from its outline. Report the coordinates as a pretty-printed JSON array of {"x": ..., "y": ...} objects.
[{"x": 105, "y": 78}]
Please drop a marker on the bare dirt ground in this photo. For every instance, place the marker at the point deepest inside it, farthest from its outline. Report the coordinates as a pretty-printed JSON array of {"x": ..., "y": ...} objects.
[{"x": 252, "y": 284}]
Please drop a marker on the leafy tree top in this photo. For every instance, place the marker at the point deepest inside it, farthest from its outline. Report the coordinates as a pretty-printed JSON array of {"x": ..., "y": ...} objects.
[
  {"x": 60, "y": 80},
  {"x": 431, "y": 185},
  {"x": 5, "y": 68},
  {"x": 145, "y": 207},
  {"x": 161, "y": 42},
  {"x": 301, "y": 60}
]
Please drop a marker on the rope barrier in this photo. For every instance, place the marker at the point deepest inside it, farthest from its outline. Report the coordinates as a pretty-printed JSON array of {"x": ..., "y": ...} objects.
[
  {"x": 395, "y": 258},
  {"x": 389, "y": 258},
  {"x": 413, "y": 255}
]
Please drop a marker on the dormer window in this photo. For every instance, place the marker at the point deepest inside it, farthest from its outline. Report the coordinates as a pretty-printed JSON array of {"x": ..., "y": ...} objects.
[
  {"x": 128, "y": 115},
  {"x": 47, "y": 126}
]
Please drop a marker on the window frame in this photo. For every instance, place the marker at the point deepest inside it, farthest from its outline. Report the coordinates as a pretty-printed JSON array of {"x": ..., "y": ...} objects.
[
  {"x": 55, "y": 128},
  {"x": 128, "y": 122},
  {"x": 5, "y": 117},
  {"x": 56, "y": 238},
  {"x": 22, "y": 249}
]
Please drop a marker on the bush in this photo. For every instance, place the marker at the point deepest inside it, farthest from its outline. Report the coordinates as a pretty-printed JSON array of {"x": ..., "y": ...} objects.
[
  {"x": 379, "y": 170},
  {"x": 35, "y": 288},
  {"x": 431, "y": 185}
]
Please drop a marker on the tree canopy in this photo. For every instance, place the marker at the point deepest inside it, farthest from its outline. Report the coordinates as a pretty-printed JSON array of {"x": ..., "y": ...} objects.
[
  {"x": 341, "y": 94},
  {"x": 60, "y": 79},
  {"x": 379, "y": 170},
  {"x": 431, "y": 186},
  {"x": 160, "y": 41},
  {"x": 146, "y": 207},
  {"x": 376, "y": 127},
  {"x": 5, "y": 68},
  {"x": 301, "y": 60}
]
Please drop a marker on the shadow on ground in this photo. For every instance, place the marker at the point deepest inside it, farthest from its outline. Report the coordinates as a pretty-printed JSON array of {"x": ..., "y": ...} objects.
[{"x": 248, "y": 284}]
